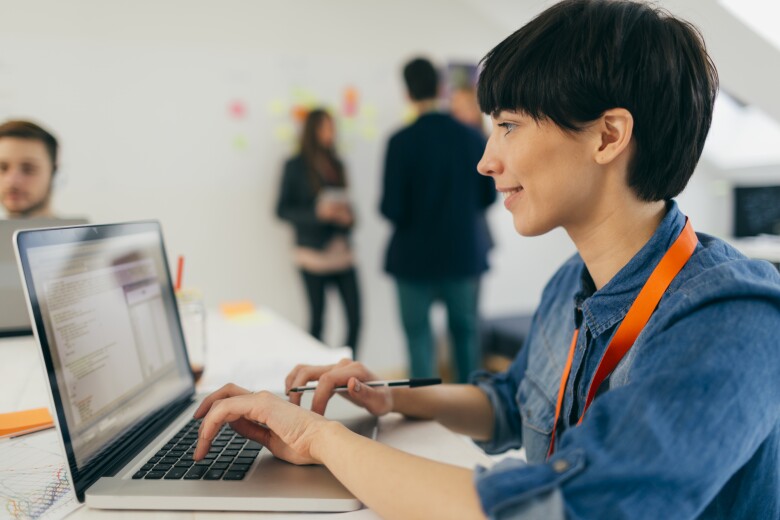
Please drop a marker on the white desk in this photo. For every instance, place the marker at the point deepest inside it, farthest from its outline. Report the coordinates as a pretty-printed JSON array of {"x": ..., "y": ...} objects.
[
  {"x": 267, "y": 346},
  {"x": 763, "y": 248}
]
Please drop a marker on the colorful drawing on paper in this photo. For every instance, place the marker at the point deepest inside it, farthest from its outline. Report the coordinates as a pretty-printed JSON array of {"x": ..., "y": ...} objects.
[{"x": 33, "y": 478}]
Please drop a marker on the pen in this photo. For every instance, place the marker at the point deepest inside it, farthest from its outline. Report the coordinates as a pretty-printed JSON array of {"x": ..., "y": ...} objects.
[{"x": 411, "y": 383}]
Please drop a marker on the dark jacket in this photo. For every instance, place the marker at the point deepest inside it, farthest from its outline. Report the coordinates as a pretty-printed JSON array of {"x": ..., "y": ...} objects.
[
  {"x": 296, "y": 204},
  {"x": 436, "y": 200}
]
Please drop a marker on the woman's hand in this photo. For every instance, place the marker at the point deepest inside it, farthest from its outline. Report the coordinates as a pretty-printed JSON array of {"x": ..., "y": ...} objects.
[
  {"x": 377, "y": 400},
  {"x": 335, "y": 212},
  {"x": 288, "y": 431}
]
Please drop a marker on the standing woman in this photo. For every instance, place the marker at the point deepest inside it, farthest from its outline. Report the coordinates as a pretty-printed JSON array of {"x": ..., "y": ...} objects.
[{"x": 313, "y": 198}]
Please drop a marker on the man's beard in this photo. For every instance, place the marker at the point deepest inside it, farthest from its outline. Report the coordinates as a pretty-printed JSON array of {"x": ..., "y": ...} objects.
[{"x": 36, "y": 206}]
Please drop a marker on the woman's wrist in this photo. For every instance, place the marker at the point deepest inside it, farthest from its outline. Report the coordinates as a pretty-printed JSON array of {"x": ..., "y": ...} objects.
[{"x": 326, "y": 440}]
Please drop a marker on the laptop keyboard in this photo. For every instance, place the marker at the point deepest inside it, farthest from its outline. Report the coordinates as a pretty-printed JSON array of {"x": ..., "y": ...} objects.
[{"x": 229, "y": 457}]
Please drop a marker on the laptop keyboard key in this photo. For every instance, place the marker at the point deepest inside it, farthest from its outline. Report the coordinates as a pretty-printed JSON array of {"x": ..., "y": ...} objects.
[
  {"x": 195, "y": 473},
  {"x": 155, "y": 475},
  {"x": 234, "y": 475},
  {"x": 139, "y": 474},
  {"x": 213, "y": 474},
  {"x": 248, "y": 453},
  {"x": 175, "y": 473},
  {"x": 253, "y": 445}
]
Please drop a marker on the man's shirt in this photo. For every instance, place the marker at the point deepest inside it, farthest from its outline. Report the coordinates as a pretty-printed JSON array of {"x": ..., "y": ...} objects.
[
  {"x": 687, "y": 425},
  {"x": 436, "y": 200}
]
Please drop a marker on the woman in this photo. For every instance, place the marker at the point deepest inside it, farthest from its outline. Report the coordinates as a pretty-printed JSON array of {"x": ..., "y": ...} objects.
[
  {"x": 648, "y": 384},
  {"x": 313, "y": 198}
]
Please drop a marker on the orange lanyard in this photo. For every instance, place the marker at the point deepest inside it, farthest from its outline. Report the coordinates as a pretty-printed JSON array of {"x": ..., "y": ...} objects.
[{"x": 635, "y": 320}]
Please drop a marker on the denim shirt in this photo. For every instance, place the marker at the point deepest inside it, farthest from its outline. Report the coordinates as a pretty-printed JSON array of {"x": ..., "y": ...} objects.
[{"x": 687, "y": 425}]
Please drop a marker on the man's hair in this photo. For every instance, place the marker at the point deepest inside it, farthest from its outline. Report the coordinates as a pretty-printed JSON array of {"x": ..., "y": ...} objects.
[
  {"x": 580, "y": 58},
  {"x": 422, "y": 80},
  {"x": 27, "y": 130}
]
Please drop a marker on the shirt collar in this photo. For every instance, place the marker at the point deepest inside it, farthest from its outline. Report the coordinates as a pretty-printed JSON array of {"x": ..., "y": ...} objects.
[{"x": 604, "y": 308}]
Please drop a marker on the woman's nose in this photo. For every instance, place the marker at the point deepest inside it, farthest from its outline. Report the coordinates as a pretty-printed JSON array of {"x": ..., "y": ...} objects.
[{"x": 489, "y": 165}]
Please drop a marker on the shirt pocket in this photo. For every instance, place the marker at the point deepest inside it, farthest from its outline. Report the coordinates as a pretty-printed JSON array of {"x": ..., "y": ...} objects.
[{"x": 538, "y": 415}]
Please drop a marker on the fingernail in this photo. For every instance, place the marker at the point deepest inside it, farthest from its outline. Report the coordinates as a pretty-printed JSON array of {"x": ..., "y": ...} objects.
[{"x": 357, "y": 386}]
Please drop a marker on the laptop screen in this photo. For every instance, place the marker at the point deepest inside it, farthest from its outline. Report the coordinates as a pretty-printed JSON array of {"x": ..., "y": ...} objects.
[
  {"x": 107, "y": 321},
  {"x": 14, "y": 320}
]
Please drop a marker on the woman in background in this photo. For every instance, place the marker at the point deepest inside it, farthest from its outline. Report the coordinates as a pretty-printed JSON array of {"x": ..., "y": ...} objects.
[{"x": 313, "y": 198}]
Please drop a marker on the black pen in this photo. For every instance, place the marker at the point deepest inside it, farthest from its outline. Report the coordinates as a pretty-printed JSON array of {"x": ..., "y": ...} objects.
[{"x": 411, "y": 383}]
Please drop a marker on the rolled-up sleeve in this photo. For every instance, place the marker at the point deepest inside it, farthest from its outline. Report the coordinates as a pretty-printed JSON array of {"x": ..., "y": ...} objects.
[
  {"x": 506, "y": 416},
  {"x": 514, "y": 489}
]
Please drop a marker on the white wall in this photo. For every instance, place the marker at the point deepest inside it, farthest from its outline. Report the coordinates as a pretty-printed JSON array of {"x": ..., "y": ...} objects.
[{"x": 139, "y": 94}]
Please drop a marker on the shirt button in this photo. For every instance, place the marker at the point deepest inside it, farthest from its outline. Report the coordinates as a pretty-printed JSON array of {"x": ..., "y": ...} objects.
[{"x": 560, "y": 466}]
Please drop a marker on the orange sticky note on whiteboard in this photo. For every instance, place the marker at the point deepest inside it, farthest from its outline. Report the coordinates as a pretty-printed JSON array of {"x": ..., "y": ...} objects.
[{"x": 26, "y": 421}]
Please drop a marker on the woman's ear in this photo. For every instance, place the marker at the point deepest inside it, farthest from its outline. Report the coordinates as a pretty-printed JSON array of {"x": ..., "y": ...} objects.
[{"x": 616, "y": 127}]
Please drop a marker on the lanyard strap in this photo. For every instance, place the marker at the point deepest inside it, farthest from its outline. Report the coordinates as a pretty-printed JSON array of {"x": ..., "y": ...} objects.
[{"x": 637, "y": 317}]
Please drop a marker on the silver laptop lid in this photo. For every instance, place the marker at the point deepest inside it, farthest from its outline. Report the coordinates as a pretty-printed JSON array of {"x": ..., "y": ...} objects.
[
  {"x": 105, "y": 316},
  {"x": 14, "y": 320}
]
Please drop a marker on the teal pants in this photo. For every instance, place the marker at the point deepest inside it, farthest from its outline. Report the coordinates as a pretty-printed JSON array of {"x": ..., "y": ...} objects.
[{"x": 460, "y": 297}]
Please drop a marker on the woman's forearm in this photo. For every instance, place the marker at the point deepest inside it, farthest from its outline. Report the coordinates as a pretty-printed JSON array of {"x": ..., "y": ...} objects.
[
  {"x": 396, "y": 484},
  {"x": 462, "y": 408}
]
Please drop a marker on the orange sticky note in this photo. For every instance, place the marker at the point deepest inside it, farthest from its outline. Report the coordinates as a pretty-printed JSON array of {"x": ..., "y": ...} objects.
[
  {"x": 26, "y": 421},
  {"x": 237, "y": 309}
]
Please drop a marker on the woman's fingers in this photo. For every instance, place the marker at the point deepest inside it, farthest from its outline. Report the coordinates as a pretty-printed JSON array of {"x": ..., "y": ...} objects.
[
  {"x": 345, "y": 373},
  {"x": 338, "y": 376},
  {"x": 285, "y": 429},
  {"x": 303, "y": 374},
  {"x": 229, "y": 390},
  {"x": 377, "y": 400},
  {"x": 222, "y": 411}
]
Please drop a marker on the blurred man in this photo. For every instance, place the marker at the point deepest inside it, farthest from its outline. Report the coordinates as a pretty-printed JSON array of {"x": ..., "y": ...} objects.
[
  {"x": 28, "y": 162},
  {"x": 436, "y": 201}
]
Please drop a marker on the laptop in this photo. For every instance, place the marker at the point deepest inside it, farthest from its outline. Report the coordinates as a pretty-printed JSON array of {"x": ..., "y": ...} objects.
[
  {"x": 105, "y": 317},
  {"x": 14, "y": 320}
]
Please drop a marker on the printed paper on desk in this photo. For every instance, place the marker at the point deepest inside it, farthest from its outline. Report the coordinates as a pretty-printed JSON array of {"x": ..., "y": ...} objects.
[{"x": 33, "y": 479}]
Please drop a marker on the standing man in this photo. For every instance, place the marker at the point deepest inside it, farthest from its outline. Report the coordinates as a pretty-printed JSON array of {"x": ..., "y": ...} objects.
[
  {"x": 28, "y": 161},
  {"x": 436, "y": 201}
]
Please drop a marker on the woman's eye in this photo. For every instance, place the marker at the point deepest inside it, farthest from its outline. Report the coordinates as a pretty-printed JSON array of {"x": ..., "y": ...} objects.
[{"x": 507, "y": 126}]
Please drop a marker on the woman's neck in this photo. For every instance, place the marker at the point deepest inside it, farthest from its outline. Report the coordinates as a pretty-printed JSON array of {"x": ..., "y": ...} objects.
[{"x": 608, "y": 243}]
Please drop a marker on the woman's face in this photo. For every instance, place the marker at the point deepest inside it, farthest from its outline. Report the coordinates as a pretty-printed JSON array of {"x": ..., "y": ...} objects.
[
  {"x": 326, "y": 133},
  {"x": 548, "y": 177}
]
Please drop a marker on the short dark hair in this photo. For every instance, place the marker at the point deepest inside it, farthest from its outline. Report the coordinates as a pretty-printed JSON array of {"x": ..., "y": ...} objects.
[
  {"x": 422, "y": 80},
  {"x": 579, "y": 58},
  {"x": 28, "y": 130}
]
